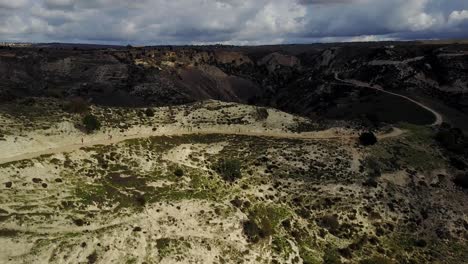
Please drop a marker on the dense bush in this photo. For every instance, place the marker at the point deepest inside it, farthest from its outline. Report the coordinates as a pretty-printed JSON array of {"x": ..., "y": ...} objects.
[
  {"x": 252, "y": 231},
  {"x": 264, "y": 221},
  {"x": 261, "y": 114},
  {"x": 229, "y": 169},
  {"x": 92, "y": 258},
  {"x": 149, "y": 112},
  {"x": 91, "y": 123},
  {"x": 257, "y": 231},
  {"x": 330, "y": 222},
  {"x": 179, "y": 172},
  {"x": 367, "y": 139},
  {"x": 331, "y": 256}
]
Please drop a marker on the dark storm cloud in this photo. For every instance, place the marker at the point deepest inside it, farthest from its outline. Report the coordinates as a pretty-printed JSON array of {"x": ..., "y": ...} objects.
[{"x": 230, "y": 21}]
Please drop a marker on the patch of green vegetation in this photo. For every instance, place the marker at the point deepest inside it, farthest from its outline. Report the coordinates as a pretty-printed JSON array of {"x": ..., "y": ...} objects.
[
  {"x": 170, "y": 247},
  {"x": 92, "y": 258},
  {"x": 28, "y": 112},
  {"x": 264, "y": 221},
  {"x": 261, "y": 114},
  {"x": 229, "y": 169},
  {"x": 91, "y": 123},
  {"x": 415, "y": 150},
  {"x": 8, "y": 233},
  {"x": 149, "y": 112},
  {"x": 120, "y": 188},
  {"x": 331, "y": 256},
  {"x": 308, "y": 256},
  {"x": 179, "y": 172},
  {"x": 107, "y": 194},
  {"x": 174, "y": 194},
  {"x": 421, "y": 134},
  {"x": 433, "y": 250},
  {"x": 21, "y": 164},
  {"x": 367, "y": 139},
  {"x": 281, "y": 246}
]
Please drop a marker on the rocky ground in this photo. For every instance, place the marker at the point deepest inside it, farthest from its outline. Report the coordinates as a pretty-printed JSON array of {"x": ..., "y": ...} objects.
[{"x": 216, "y": 182}]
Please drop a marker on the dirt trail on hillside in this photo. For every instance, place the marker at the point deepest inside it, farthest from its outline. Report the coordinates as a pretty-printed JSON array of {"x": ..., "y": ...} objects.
[
  {"x": 438, "y": 117},
  {"x": 117, "y": 139}
]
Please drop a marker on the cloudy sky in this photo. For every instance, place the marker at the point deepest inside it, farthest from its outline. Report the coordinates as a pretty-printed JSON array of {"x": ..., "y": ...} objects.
[{"x": 245, "y": 22}]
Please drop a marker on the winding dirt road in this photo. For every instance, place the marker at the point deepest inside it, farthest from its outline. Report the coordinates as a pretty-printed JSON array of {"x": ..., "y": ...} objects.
[
  {"x": 438, "y": 117},
  {"x": 117, "y": 139}
]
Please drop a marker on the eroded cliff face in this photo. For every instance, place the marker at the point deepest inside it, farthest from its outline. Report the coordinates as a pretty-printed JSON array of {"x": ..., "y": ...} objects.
[{"x": 300, "y": 79}]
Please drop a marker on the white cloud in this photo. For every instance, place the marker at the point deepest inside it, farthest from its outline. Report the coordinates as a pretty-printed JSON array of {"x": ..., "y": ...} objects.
[
  {"x": 12, "y": 25},
  {"x": 230, "y": 21},
  {"x": 12, "y": 4},
  {"x": 457, "y": 17},
  {"x": 368, "y": 38}
]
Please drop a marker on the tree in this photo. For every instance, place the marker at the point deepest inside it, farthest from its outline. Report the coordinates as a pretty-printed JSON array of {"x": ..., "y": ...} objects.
[
  {"x": 149, "y": 112},
  {"x": 261, "y": 114},
  {"x": 367, "y": 139},
  {"x": 179, "y": 172},
  {"x": 91, "y": 123},
  {"x": 252, "y": 231}
]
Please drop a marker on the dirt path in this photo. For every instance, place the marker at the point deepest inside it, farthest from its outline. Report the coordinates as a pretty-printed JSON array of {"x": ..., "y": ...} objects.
[
  {"x": 283, "y": 135},
  {"x": 438, "y": 117}
]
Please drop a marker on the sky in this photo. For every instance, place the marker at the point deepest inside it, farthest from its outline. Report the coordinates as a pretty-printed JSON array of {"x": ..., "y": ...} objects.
[{"x": 237, "y": 22}]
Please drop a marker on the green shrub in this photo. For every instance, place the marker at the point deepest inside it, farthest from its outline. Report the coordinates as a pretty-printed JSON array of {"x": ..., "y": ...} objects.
[
  {"x": 179, "y": 172},
  {"x": 331, "y": 257},
  {"x": 229, "y": 169},
  {"x": 264, "y": 220},
  {"x": 92, "y": 258},
  {"x": 367, "y": 139},
  {"x": 91, "y": 123},
  {"x": 330, "y": 222},
  {"x": 252, "y": 231},
  {"x": 261, "y": 114},
  {"x": 149, "y": 112}
]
